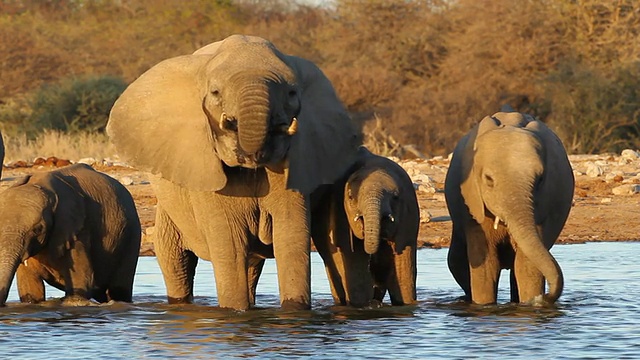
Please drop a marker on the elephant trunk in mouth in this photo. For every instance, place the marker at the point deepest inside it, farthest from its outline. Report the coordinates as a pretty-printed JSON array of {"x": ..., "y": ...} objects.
[
  {"x": 528, "y": 240},
  {"x": 9, "y": 261},
  {"x": 253, "y": 117},
  {"x": 372, "y": 218}
]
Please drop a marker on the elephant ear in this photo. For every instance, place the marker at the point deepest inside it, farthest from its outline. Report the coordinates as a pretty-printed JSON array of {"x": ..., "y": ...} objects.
[
  {"x": 158, "y": 125},
  {"x": 68, "y": 209},
  {"x": 326, "y": 143},
  {"x": 469, "y": 185}
]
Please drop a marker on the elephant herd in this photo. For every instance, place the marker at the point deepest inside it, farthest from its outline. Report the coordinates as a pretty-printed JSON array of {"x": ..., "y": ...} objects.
[{"x": 251, "y": 155}]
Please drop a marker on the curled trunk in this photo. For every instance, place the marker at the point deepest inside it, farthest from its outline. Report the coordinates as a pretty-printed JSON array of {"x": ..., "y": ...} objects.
[
  {"x": 530, "y": 243},
  {"x": 253, "y": 117},
  {"x": 372, "y": 219}
]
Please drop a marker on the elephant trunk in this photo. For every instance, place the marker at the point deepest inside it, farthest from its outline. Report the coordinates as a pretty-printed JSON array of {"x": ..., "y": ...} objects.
[
  {"x": 9, "y": 261},
  {"x": 529, "y": 241},
  {"x": 253, "y": 117},
  {"x": 372, "y": 218}
]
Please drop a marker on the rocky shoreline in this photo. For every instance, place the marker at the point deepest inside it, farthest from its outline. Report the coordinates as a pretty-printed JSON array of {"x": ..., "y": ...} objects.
[{"x": 606, "y": 199}]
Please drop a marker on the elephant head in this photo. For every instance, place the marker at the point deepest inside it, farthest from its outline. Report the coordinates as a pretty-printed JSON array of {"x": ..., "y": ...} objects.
[
  {"x": 34, "y": 217},
  {"x": 371, "y": 204},
  {"x": 507, "y": 180},
  {"x": 236, "y": 102}
]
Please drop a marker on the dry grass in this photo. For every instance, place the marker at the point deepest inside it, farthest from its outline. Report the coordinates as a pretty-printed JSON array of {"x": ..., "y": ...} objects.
[{"x": 58, "y": 144}]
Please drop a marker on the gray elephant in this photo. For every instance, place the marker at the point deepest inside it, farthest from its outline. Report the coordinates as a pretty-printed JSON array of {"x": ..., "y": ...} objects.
[
  {"x": 237, "y": 135},
  {"x": 1, "y": 154},
  {"x": 382, "y": 209},
  {"x": 75, "y": 228},
  {"x": 509, "y": 191}
]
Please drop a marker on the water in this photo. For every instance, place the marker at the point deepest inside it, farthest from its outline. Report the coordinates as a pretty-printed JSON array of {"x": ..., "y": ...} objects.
[{"x": 597, "y": 317}]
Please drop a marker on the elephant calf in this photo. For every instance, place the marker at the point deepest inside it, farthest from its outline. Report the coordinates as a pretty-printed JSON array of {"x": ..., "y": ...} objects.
[
  {"x": 382, "y": 209},
  {"x": 509, "y": 190},
  {"x": 75, "y": 228}
]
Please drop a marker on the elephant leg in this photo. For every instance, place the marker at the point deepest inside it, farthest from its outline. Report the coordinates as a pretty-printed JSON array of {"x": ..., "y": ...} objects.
[
  {"x": 401, "y": 281},
  {"x": 320, "y": 234},
  {"x": 484, "y": 266},
  {"x": 178, "y": 265},
  {"x": 458, "y": 261},
  {"x": 291, "y": 247},
  {"x": 78, "y": 272},
  {"x": 253, "y": 275},
  {"x": 30, "y": 285},
  {"x": 530, "y": 282},
  {"x": 515, "y": 297}
]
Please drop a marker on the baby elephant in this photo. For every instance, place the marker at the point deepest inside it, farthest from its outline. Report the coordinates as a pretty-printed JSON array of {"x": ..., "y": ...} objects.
[
  {"x": 75, "y": 228},
  {"x": 382, "y": 209}
]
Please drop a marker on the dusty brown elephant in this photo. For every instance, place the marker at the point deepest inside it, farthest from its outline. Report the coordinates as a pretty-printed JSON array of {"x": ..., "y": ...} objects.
[
  {"x": 382, "y": 209},
  {"x": 237, "y": 135},
  {"x": 509, "y": 190},
  {"x": 75, "y": 228}
]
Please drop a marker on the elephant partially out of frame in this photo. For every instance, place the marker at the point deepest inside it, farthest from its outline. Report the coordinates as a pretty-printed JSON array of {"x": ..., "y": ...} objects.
[
  {"x": 237, "y": 136},
  {"x": 76, "y": 229},
  {"x": 509, "y": 190}
]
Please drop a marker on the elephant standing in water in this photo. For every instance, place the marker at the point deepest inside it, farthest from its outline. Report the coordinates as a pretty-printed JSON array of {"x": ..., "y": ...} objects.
[
  {"x": 75, "y": 228},
  {"x": 237, "y": 135},
  {"x": 382, "y": 209},
  {"x": 509, "y": 191}
]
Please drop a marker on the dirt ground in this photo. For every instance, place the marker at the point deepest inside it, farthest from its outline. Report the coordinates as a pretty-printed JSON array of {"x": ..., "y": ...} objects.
[{"x": 597, "y": 214}]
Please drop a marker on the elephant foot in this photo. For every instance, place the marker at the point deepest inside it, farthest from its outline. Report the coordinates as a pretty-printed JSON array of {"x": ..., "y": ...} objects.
[
  {"x": 29, "y": 299},
  {"x": 77, "y": 300},
  {"x": 180, "y": 300},
  {"x": 291, "y": 304},
  {"x": 540, "y": 301}
]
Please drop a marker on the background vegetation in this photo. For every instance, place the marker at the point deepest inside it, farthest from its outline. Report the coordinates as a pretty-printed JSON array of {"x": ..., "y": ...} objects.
[{"x": 412, "y": 72}]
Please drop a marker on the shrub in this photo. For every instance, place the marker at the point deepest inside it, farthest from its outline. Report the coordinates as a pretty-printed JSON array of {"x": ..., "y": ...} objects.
[{"x": 75, "y": 105}]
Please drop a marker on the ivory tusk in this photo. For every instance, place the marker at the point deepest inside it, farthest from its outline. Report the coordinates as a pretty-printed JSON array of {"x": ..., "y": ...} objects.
[
  {"x": 293, "y": 128},
  {"x": 390, "y": 216},
  {"x": 25, "y": 262},
  {"x": 358, "y": 217},
  {"x": 223, "y": 117},
  {"x": 495, "y": 223}
]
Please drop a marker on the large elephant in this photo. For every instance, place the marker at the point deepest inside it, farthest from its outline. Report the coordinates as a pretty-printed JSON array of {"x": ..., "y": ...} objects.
[
  {"x": 1, "y": 154},
  {"x": 382, "y": 209},
  {"x": 237, "y": 135},
  {"x": 75, "y": 228},
  {"x": 509, "y": 191}
]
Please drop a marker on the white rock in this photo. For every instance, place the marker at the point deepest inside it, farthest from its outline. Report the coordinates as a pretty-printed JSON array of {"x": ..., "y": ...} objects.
[
  {"x": 606, "y": 200},
  {"x": 629, "y": 154},
  {"x": 126, "y": 180},
  {"x": 626, "y": 189},
  {"x": 425, "y": 216},
  {"x": 594, "y": 170}
]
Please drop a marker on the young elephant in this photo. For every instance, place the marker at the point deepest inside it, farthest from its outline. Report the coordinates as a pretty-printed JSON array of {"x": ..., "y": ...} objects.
[
  {"x": 382, "y": 209},
  {"x": 75, "y": 228},
  {"x": 509, "y": 190}
]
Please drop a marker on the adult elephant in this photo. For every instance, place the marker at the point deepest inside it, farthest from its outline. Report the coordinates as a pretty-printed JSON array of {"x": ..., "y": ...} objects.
[
  {"x": 237, "y": 135},
  {"x": 509, "y": 190}
]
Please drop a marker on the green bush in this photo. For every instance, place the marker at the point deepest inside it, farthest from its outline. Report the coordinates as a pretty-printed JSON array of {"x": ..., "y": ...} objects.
[{"x": 75, "y": 105}]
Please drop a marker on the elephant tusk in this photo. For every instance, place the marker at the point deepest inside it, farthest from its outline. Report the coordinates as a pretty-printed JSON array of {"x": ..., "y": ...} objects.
[
  {"x": 391, "y": 218},
  {"x": 358, "y": 217},
  {"x": 495, "y": 223},
  {"x": 223, "y": 118},
  {"x": 25, "y": 262},
  {"x": 293, "y": 128}
]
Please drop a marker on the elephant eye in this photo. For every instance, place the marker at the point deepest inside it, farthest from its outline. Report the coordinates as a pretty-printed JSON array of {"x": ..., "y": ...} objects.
[
  {"x": 230, "y": 124},
  {"x": 293, "y": 93},
  {"x": 488, "y": 180}
]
